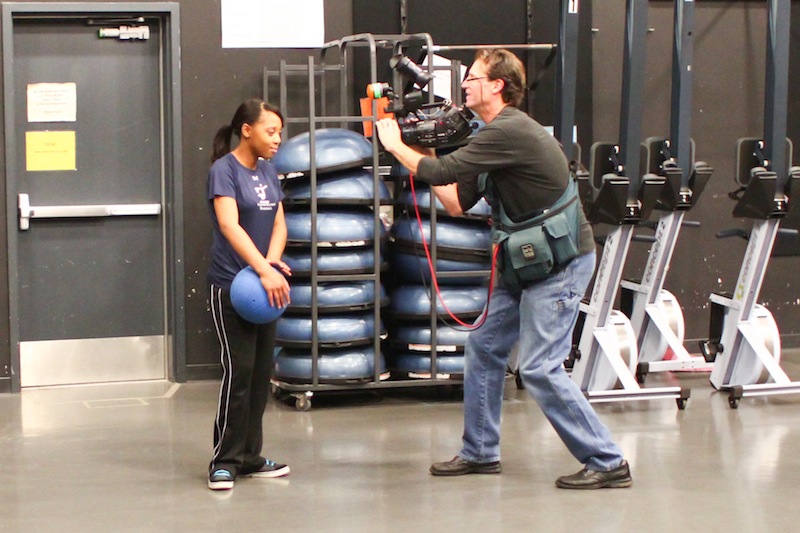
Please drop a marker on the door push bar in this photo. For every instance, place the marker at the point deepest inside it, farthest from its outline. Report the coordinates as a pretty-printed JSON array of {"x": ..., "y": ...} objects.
[{"x": 27, "y": 211}]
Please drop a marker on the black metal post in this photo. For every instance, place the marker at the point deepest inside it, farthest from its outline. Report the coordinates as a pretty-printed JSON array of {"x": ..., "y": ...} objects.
[
  {"x": 776, "y": 90},
  {"x": 633, "y": 82},
  {"x": 681, "y": 117},
  {"x": 567, "y": 76}
]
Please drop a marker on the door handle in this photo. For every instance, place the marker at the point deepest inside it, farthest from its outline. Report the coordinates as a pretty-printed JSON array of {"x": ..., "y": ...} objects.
[{"x": 27, "y": 211}]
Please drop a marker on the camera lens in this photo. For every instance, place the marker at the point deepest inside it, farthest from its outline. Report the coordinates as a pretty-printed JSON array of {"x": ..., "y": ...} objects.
[{"x": 408, "y": 68}]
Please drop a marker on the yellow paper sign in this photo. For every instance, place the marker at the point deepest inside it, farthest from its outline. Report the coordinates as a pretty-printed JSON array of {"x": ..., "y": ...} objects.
[{"x": 50, "y": 150}]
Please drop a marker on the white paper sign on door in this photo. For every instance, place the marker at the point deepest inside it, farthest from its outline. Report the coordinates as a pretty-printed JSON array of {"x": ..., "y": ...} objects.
[{"x": 52, "y": 102}]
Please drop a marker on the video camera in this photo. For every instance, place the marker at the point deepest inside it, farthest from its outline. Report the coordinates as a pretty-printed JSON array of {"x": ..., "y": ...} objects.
[{"x": 429, "y": 125}]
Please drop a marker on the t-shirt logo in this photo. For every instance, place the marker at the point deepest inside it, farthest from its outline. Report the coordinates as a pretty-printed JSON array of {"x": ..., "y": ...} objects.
[{"x": 261, "y": 191}]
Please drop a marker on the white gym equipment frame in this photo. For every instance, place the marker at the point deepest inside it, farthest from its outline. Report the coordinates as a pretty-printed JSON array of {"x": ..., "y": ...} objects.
[{"x": 743, "y": 336}]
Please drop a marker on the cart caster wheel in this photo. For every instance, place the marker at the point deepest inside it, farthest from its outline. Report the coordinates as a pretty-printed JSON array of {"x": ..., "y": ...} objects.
[
  {"x": 734, "y": 397},
  {"x": 681, "y": 403},
  {"x": 302, "y": 403},
  {"x": 642, "y": 369}
]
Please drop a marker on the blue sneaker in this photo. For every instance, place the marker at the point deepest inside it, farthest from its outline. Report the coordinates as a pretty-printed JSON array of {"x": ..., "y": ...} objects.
[
  {"x": 269, "y": 469},
  {"x": 220, "y": 480}
]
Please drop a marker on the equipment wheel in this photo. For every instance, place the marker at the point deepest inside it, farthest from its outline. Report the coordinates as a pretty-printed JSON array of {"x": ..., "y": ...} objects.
[
  {"x": 641, "y": 373},
  {"x": 734, "y": 396},
  {"x": 302, "y": 402}
]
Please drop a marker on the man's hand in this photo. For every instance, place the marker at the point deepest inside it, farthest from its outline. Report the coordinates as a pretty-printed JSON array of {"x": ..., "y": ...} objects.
[
  {"x": 389, "y": 134},
  {"x": 392, "y": 140}
]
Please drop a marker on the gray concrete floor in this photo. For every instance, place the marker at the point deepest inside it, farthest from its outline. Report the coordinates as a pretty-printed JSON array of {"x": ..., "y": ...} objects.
[{"x": 133, "y": 458}]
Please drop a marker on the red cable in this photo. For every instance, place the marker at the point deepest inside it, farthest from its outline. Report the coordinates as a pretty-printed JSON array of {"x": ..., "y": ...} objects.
[{"x": 480, "y": 322}]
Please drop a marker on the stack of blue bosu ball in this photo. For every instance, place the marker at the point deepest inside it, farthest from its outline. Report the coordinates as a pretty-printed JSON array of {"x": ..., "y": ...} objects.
[
  {"x": 463, "y": 261},
  {"x": 345, "y": 246}
]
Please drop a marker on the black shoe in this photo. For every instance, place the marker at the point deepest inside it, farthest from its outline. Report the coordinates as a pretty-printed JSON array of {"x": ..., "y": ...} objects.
[
  {"x": 458, "y": 467},
  {"x": 269, "y": 469},
  {"x": 220, "y": 480},
  {"x": 618, "y": 478}
]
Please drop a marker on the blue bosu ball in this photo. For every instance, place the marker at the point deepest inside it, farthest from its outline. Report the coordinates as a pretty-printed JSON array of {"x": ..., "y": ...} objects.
[
  {"x": 415, "y": 269},
  {"x": 335, "y": 149},
  {"x": 349, "y": 261},
  {"x": 417, "y": 338},
  {"x": 336, "y": 228},
  {"x": 333, "y": 365},
  {"x": 250, "y": 299},
  {"x": 413, "y": 302},
  {"x": 456, "y": 239},
  {"x": 335, "y": 297},
  {"x": 349, "y": 187},
  {"x": 481, "y": 210},
  {"x": 419, "y": 365}
]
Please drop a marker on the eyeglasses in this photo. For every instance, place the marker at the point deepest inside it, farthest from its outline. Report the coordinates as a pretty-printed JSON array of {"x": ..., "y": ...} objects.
[{"x": 473, "y": 78}]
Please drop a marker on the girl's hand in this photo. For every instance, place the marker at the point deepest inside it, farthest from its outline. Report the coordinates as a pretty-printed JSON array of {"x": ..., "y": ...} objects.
[
  {"x": 282, "y": 267},
  {"x": 277, "y": 287}
]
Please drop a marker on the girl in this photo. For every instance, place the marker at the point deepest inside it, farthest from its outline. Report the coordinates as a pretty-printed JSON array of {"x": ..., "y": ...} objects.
[{"x": 249, "y": 229}]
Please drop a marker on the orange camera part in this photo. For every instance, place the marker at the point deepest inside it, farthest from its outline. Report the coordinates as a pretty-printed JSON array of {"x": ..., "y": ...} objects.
[{"x": 366, "y": 110}]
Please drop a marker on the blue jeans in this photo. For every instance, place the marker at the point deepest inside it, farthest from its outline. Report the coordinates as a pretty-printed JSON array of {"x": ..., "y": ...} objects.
[{"x": 542, "y": 316}]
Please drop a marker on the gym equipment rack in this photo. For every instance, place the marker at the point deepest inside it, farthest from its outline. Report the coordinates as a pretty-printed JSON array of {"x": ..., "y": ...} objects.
[
  {"x": 655, "y": 314},
  {"x": 743, "y": 337},
  {"x": 625, "y": 197}
]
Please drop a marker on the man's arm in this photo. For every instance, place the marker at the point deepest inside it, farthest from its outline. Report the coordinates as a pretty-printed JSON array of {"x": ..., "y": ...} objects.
[{"x": 448, "y": 195}]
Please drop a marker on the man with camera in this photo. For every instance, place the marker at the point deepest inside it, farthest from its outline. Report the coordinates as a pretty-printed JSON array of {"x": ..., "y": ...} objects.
[{"x": 544, "y": 273}]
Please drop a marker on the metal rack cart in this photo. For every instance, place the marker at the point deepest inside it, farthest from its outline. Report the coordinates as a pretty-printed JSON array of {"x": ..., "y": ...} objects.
[{"x": 336, "y": 61}]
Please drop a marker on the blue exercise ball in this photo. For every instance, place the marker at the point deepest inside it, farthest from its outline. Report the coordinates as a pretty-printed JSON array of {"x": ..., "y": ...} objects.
[{"x": 250, "y": 300}]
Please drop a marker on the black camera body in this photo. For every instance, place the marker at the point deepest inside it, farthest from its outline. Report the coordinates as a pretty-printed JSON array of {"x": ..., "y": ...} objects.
[
  {"x": 435, "y": 125},
  {"x": 427, "y": 125}
]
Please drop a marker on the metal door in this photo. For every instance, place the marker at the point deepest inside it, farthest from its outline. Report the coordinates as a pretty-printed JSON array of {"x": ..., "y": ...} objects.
[{"x": 90, "y": 288}]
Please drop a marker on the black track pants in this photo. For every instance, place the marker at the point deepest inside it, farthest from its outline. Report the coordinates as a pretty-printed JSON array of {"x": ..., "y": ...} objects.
[{"x": 246, "y": 354}]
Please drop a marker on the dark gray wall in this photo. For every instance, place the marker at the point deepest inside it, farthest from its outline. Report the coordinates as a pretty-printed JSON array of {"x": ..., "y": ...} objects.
[
  {"x": 729, "y": 79},
  {"x": 214, "y": 81}
]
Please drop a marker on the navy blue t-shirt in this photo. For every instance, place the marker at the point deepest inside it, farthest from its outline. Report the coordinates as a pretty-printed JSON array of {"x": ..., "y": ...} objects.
[{"x": 258, "y": 195}]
